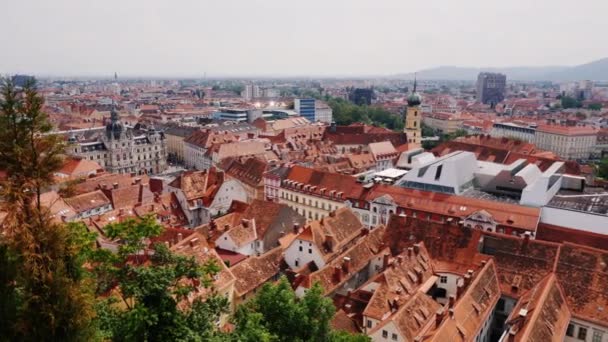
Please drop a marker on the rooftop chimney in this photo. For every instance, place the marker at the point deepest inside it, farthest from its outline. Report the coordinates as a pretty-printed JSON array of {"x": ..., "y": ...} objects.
[
  {"x": 439, "y": 316},
  {"x": 459, "y": 290},
  {"x": 337, "y": 274},
  {"x": 385, "y": 260},
  {"x": 115, "y": 185},
  {"x": 416, "y": 248},
  {"x": 329, "y": 242},
  {"x": 451, "y": 301},
  {"x": 399, "y": 259},
  {"x": 296, "y": 228},
  {"x": 410, "y": 250},
  {"x": 180, "y": 236},
  {"x": 346, "y": 265}
]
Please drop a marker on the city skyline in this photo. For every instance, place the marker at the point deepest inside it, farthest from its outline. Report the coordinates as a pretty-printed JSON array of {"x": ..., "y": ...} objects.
[{"x": 271, "y": 38}]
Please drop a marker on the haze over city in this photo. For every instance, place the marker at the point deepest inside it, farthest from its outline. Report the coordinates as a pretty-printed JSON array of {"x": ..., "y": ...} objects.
[
  {"x": 287, "y": 38},
  {"x": 313, "y": 171}
]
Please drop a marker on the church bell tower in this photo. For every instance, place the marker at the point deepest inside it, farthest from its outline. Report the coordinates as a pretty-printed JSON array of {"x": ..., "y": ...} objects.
[{"x": 413, "y": 118}]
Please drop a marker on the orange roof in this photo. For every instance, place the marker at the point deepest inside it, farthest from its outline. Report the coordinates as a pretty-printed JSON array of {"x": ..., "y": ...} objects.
[
  {"x": 567, "y": 130},
  {"x": 505, "y": 214}
]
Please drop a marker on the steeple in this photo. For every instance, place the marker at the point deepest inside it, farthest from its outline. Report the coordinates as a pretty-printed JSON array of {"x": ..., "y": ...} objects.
[
  {"x": 114, "y": 128},
  {"x": 414, "y": 99},
  {"x": 413, "y": 117}
]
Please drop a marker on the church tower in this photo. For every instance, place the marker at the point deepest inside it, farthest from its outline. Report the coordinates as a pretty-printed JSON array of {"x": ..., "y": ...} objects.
[{"x": 413, "y": 118}]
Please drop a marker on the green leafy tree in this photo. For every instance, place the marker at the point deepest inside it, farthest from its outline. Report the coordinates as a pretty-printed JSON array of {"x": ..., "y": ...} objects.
[
  {"x": 276, "y": 314},
  {"x": 52, "y": 290},
  {"x": 595, "y": 106},
  {"x": 148, "y": 289},
  {"x": 346, "y": 113},
  {"x": 602, "y": 168},
  {"x": 570, "y": 102}
]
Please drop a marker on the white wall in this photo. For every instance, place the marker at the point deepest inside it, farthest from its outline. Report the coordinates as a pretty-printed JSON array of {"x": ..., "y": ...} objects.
[
  {"x": 591, "y": 330},
  {"x": 293, "y": 253},
  {"x": 575, "y": 220}
]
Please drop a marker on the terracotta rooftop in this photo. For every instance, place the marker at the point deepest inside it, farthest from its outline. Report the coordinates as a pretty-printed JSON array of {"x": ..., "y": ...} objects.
[
  {"x": 196, "y": 246},
  {"x": 472, "y": 309},
  {"x": 399, "y": 282},
  {"x": 333, "y": 233},
  {"x": 199, "y": 184},
  {"x": 359, "y": 256},
  {"x": 504, "y": 214},
  {"x": 567, "y": 130},
  {"x": 521, "y": 264},
  {"x": 541, "y": 315},
  {"x": 88, "y": 201},
  {"x": 327, "y": 181},
  {"x": 359, "y": 134},
  {"x": 256, "y": 270},
  {"x": 250, "y": 171}
]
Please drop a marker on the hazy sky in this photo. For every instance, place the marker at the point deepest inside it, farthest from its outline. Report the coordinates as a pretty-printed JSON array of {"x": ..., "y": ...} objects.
[{"x": 289, "y": 37}]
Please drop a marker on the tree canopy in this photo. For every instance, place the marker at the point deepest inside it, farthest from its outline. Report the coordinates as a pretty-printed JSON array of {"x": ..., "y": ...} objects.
[{"x": 346, "y": 113}]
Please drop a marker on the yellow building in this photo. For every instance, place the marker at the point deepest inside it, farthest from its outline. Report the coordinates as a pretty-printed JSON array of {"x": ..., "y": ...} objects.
[
  {"x": 174, "y": 139},
  {"x": 413, "y": 119}
]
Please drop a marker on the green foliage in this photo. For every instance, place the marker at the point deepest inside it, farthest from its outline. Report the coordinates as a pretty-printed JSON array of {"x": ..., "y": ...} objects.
[
  {"x": 595, "y": 106},
  {"x": 9, "y": 296},
  {"x": 570, "y": 102},
  {"x": 53, "y": 293},
  {"x": 427, "y": 131},
  {"x": 276, "y": 314},
  {"x": 346, "y": 113},
  {"x": 451, "y": 136},
  {"x": 149, "y": 288},
  {"x": 602, "y": 168}
]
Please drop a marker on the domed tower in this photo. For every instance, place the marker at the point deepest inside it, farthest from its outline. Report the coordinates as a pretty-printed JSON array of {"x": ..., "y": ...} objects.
[
  {"x": 413, "y": 118},
  {"x": 114, "y": 128}
]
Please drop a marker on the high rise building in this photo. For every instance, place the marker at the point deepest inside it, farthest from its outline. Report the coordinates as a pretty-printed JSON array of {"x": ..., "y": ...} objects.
[
  {"x": 251, "y": 91},
  {"x": 413, "y": 118},
  {"x": 491, "y": 87},
  {"x": 305, "y": 108}
]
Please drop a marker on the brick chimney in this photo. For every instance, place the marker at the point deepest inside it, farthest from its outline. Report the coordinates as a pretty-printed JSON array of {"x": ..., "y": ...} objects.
[
  {"x": 337, "y": 274},
  {"x": 115, "y": 185},
  {"x": 459, "y": 290},
  {"x": 385, "y": 260},
  {"x": 180, "y": 237},
  {"x": 439, "y": 315},
  {"x": 296, "y": 228},
  {"x": 467, "y": 280},
  {"x": 410, "y": 251},
  {"x": 416, "y": 248},
  {"x": 451, "y": 301},
  {"x": 346, "y": 265},
  {"x": 329, "y": 242}
]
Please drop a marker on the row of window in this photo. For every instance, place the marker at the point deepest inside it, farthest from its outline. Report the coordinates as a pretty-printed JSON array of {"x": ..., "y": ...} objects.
[
  {"x": 582, "y": 332},
  {"x": 309, "y": 202}
]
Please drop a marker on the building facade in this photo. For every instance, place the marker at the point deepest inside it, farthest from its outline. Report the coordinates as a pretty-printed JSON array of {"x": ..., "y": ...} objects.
[
  {"x": 413, "y": 119},
  {"x": 123, "y": 149},
  {"x": 568, "y": 142},
  {"x": 491, "y": 87}
]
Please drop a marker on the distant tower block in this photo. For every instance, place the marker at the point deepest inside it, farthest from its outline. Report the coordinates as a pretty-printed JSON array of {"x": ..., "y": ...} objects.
[
  {"x": 115, "y": 76},
  {"x": 413, "y": 118}
]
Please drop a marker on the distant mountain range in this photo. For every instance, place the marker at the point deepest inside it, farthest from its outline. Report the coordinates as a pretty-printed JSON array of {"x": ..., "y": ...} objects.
[{"x": 596, "y": 71}]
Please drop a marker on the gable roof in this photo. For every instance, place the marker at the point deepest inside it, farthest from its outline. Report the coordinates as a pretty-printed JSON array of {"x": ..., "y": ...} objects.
[
  {"x": 256, "y": 270},
  {"x": 541, "y": 315},
  {"x": 473, "y": 309}
]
